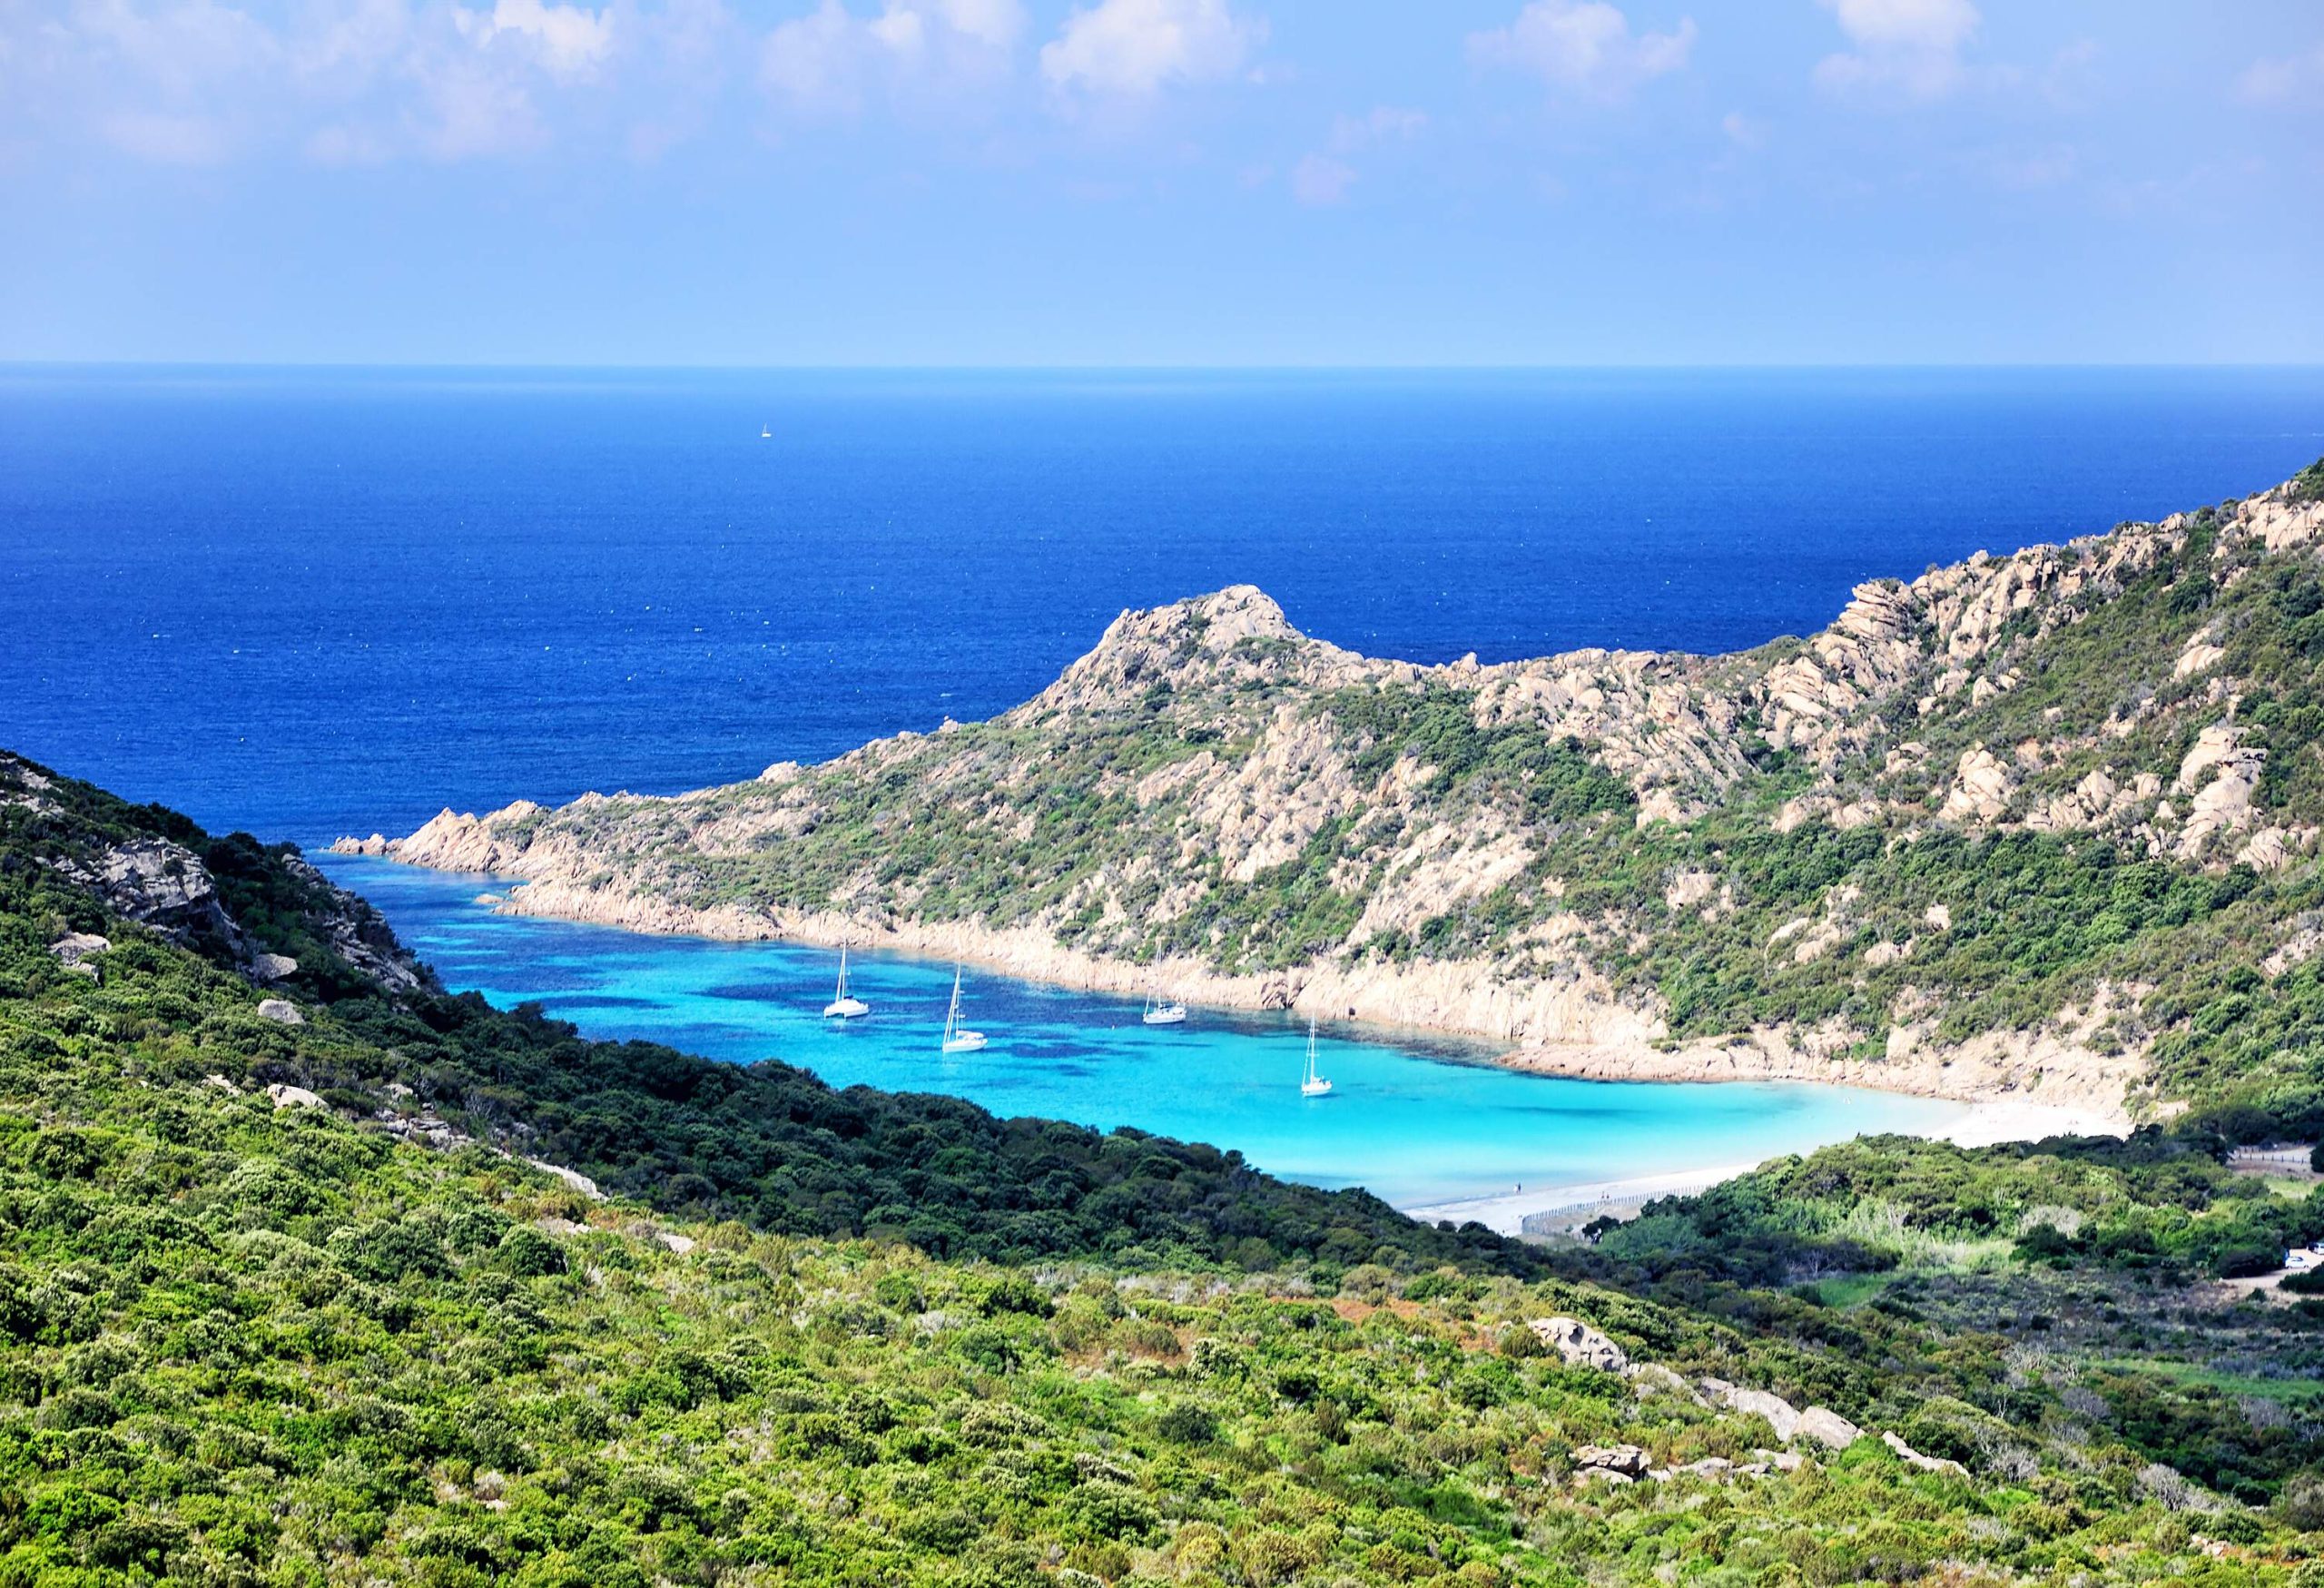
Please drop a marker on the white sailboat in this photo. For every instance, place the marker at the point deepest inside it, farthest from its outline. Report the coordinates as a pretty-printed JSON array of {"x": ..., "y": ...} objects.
[
  {"x": 842, "y": 1007},
  {"x": 1312, "y": 1085},
  {"x": 1162, "y": 1012},
  {"x": 766, "y": 433},
  {"x": 957, "y": 1038}
]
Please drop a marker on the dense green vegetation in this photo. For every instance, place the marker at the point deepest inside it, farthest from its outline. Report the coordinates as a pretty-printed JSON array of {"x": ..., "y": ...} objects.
[
  {"x": 2088, "y": 1252},
  {"x": 242, "y": 1343},
  {"x": 766, "y": 1141}
]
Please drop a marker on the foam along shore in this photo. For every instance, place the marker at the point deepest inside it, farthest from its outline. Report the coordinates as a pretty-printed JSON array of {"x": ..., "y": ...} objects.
[{"x": 1980, "y": 1124}]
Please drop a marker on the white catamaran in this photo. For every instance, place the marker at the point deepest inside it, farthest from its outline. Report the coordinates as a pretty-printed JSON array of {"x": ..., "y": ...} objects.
[
  {"x": 957, "y": 1038},
  {"x": 842, "y": 1007},
  {"x": 1163, "y": 1012},
  {"x": 1312, "y": 1085}
]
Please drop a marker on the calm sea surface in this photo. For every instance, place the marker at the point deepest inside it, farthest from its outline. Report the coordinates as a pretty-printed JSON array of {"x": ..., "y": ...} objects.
[
  {"x": 1418, "y": 1119},
  {"x": 314, "y": 603}
]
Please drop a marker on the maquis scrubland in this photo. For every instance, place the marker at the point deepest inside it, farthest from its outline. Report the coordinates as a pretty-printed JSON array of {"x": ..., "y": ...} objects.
[{"x": 314, "y": 1273}]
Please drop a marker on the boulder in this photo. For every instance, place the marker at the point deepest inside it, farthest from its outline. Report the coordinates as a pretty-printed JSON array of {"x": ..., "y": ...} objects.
[
  {"x": 1828, "y": 1427},
  {"x": 292, "y": 1097},
  {"x": 282, "y": 1012},
  {"x": 571, "y": 1176},
  {"x": 1780, "y": 1414},
  {"x": 1627, "y": 1460},
  {"x": 1651, "y": 1378},
  {"x": 76, "y": 946},
  {"x": 272, "y": 967},
  {"x": 1913, "y": 1458},
  {"x": 1579, "y": 1345}
]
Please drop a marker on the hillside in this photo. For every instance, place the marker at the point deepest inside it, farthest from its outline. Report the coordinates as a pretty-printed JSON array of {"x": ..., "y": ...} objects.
[
  {"x": 2044, "y": 824},
  {"x": 283, "y": 1300}
]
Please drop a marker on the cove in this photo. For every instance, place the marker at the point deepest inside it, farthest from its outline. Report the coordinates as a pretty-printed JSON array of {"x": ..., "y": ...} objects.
[{"x": 1421, "y": 1119}]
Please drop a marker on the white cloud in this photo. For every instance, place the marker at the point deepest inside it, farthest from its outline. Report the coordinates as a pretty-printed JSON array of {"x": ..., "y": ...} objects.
[
  {"x": 1585, "y": 46},
  {"x": 1134, "y": 48},
  {"x": 571, "y": 43},
  {"x": 1385, "y": 123},
  {"x": 829, "y": 61},
  {"x": 1744, "y": 131},
  {"x": 1321, "y": 180},
  {"x": 1905, "y": 50},
  {"x": 2290, "y": 80}
]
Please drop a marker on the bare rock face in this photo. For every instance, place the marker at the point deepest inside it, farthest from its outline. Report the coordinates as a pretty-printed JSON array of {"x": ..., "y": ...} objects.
[
  {"x": 292, "y": 1097},
  {"x": 1579, "y": 1345},
  {"x": 282, "y": 1012}
]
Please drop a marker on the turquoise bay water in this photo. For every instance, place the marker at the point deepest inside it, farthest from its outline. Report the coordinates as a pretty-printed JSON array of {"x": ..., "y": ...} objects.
[{"x": 1419, "y": 1118}]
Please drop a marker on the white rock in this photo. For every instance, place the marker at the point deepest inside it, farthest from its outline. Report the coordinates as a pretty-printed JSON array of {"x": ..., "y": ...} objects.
[
  {"x": 1627, "y": 1460},
  {"x": 76, "y": 946},
  {"x": 292, "y": 1097},
  {"x": 1913, "y": 1458},
  {"x": 1981, "y": 789},
  {"x": 573, "y": 1177},
  {"x": 1780, "y": 1414},
  {"x": 1579, "y": 1345},
  {"x": 1827, "y": 1426},
  {"x": 280, "y": 1011}
]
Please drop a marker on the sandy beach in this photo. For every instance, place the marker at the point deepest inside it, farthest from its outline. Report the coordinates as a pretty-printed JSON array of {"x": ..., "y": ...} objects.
[{"x": 1981, "y": 1124}]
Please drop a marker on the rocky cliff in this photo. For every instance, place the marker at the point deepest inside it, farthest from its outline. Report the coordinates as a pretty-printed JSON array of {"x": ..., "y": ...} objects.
[{"x": 1961, "y": 841}]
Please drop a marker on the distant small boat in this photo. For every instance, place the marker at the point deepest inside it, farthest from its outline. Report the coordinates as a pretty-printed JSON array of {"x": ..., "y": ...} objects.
[
  {"x": 842, "y": 1007},
  {"x": 1312, "y": 1085},
  {"x": 765, "y": 434},
  {"x": 957, "y": 1038},
  {"x": 1163, "y": 1012}
]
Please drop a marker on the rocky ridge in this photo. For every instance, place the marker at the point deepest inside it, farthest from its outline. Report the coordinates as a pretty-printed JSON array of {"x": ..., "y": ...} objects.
[
  {"x": 1257, "y": 818},
  {"x": 169, "y": 888}
]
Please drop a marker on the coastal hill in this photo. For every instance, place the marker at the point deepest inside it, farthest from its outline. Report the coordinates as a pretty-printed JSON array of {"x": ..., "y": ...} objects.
[
  {"x": 2042, "y": 826},
  {"x": 313, "y": 1273}
]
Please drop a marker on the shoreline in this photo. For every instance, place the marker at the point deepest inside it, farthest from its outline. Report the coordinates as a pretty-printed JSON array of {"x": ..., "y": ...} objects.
[
  {"x": 2003, "y": 1094},
  {"x": 2054, "y": 1083},
  {"x": 1981, "y": 1124}
]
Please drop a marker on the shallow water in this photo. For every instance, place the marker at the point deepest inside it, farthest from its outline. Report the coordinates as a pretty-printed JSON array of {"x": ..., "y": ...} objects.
[{"x": 1419, "y": 1118}]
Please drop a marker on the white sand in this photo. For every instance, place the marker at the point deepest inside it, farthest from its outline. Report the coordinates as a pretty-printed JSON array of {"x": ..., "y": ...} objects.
[{"x": 1980, "y": 1124}]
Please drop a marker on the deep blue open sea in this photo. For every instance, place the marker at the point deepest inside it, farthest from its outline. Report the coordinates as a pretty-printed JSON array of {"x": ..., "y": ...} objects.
[
  {"x": 316, "y": 602},
  {"x": 310, "y": 602}
]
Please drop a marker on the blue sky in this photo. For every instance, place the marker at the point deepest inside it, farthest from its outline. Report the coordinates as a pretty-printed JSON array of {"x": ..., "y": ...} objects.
[{"x": 1174, "y": 182}]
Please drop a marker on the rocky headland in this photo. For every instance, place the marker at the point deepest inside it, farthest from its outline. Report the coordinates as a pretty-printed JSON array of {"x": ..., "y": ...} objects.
[{"x": 1958, "y": 844}]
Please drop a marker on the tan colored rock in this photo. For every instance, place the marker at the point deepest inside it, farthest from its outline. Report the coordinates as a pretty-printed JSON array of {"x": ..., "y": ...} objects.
[
  {"x": 292, "y": 1097},
  {"x": 1579, "y": 1345},
  {"x": 1980, "y": 790}
]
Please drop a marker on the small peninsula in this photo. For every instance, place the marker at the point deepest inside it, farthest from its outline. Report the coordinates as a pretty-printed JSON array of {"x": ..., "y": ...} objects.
[{"x": 2015, "y": 829}]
